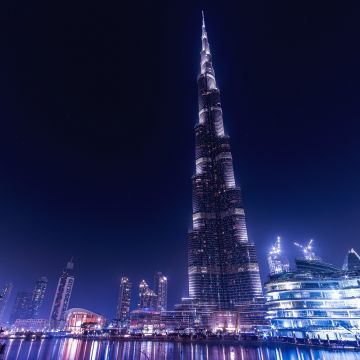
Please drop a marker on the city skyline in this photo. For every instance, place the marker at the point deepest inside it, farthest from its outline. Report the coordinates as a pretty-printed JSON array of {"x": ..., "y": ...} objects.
[{"x": 291, "y": 220}]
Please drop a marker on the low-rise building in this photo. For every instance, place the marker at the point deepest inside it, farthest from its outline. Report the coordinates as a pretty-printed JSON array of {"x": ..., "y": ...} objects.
[
  {"x": 35, "y": 325},
  {"x": 146, "y": 321},
  {"x": 78, "y": 320}
]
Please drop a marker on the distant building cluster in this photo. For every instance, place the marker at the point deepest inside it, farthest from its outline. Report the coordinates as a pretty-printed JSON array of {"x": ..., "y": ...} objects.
[
  {"x": 150, "y": 302},
  {"x": 26, "y": 308},
  {"x": 27, "y": 304}
]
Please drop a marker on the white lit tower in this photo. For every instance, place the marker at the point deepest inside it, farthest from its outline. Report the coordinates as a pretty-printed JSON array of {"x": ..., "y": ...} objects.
[
  {"x": 62, "y": 296},
  {"x": 222, "y": 264},
  {"x": 278, "y": 263}
]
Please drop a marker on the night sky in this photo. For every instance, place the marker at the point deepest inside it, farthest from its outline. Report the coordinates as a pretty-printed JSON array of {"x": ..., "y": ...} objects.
[{"x": 98, "y": 102}]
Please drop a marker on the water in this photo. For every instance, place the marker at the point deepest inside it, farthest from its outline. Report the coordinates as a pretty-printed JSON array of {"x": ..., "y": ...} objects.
[{"x": 74, "y": 349}]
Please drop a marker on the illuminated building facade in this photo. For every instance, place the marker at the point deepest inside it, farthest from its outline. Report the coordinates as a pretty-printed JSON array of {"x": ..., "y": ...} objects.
[
  {"x": 78, "y": 320},
  {"x": 124, "y": 301},
  {"x": 4, "y": 298},
  {"x": 147, "y": 297},
  {"x": 222, "y": 264},
  {"x": 224, "y": 321},
  {"x": 62, "y": 296},
  {"x": 278, "y": 263},
  {"x": 161, "y": 289},
  {"x": 180, "y": 320},
  {"x": 352, "y": 261},
  {"x": 21, "y": 309},
  {"x": 315, "y": 303},
  {"x": 148, "y": 321},
  {"x": 36, "y": 325},
  {"x": 38, "y": 296},
  {"x": 145, "y": 321}
]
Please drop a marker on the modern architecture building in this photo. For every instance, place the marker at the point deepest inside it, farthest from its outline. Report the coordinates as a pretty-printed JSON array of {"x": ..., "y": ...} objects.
[
  {"x": 352, "y": 261},
  {"x": 316, "y": 301},
  {"x": 22, "y": 307},
  {"x": 222, "y": 265},
  {"x": 78, "y": 320},
  {"x": 161, "y": 289},
  {"x": 278, "y": 263},
  {"x": 35, "y": 325},
  {"x": 146, "y": 321},
  {"x": 62, "y": 296},
  {"x": 38, "y": 295},
  {"x": 183, "y": 320},
  {"x": 124, "y": 301},
  {"x": 5, "y": 293},
  {"x": 147, "y": 297}
]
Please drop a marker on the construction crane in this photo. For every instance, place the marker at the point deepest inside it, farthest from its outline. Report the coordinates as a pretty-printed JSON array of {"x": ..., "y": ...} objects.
[
  {"x": 276, "y": 248},
  {"x": 307, "y": 250},
  {"x": 278, "y": 263}
]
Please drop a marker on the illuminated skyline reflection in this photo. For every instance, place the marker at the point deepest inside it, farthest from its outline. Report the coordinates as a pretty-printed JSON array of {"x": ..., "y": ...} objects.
[{"x": 76, "y": 349}]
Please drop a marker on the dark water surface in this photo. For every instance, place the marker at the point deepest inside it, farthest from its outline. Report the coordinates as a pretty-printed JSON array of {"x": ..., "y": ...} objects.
[{"x": 74, "y": 349}]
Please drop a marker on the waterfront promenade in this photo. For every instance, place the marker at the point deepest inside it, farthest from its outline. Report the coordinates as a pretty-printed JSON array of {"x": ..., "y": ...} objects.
[{"x": 108, "y": 349}]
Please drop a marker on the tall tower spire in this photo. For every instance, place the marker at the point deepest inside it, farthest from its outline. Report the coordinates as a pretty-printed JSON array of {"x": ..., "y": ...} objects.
[
  {"x": 222, "y": 265},
  {"x": 205, "y": 61}
]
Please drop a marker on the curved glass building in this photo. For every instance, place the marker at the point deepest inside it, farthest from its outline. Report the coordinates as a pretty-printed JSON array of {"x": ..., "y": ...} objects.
[{"x": 315, "y": 304}]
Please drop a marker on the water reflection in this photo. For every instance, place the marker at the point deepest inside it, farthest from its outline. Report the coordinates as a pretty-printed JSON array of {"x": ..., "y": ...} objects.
[{"x": 74, "y": 349}]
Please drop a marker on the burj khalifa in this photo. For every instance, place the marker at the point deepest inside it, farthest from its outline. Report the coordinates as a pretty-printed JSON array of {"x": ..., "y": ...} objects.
[{"x": 222, "y": 265}]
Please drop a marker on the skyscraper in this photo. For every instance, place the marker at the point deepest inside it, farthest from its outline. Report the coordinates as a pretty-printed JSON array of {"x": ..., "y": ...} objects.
[
  {"x": 352, "y": 261},
  {"x": 62, "y": 295},
  {"x": 124, "y": 300},
  {"x": 147, "y": 297},
  {"x": 4, "y": 298},
  {"x": 222, "y": 264},
  {"x": 278, "y": 263},
  {"x": 160, "y": 288},
  {"x": 38, "y": 296},
  {"x": 21, "y": 309}
]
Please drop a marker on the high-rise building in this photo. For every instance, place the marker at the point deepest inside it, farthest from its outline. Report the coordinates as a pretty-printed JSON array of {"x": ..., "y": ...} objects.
[
  {"x": 21, "y": 309},
  {"x": 222, "y": 264},
  {"x": 38, "y": 295},
  {"x": 4, "y": 298},
  {"x": 124, "y": 300},
  {"x": 278, "y": 263},
  {"x": 147, "y": 297},
  {"x": 352, "y": 261},
  {"x": 62, "y": 296},
  {"x": 160, "y": 288}
]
